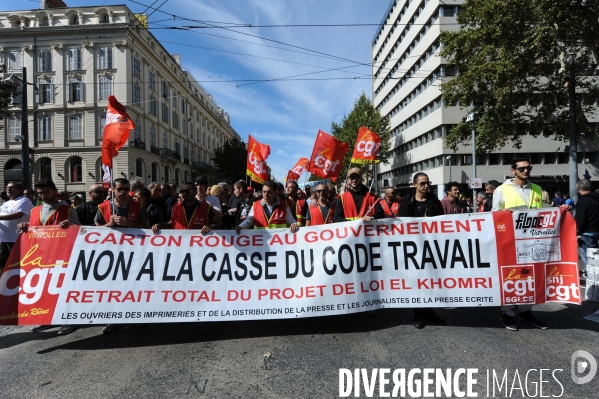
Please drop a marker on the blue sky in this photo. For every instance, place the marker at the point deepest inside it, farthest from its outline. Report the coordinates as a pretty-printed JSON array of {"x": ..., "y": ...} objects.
[{"x": 285, "y": 114}]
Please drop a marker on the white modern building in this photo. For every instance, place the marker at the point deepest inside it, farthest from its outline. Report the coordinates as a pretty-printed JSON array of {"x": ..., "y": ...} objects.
[
  {"x": 77, "y": 57},
  {"x": 407, "y": 72}
]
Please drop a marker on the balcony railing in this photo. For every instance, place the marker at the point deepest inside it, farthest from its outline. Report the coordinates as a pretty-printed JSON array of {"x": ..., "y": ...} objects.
[
  {"x": 138, "y": 144},
  {"x": 154, "y": 150},
  {"x": 166, "y": 152}
]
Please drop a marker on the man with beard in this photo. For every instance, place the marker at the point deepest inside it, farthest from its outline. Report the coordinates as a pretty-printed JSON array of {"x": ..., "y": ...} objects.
[
  {"x": 296, "y": 202},
  {"x": 87, "y": 212},
  {"x": 518, "y": 193},
  {"x": 322, "y": 210},
  {"x": 356, "y": 202}
]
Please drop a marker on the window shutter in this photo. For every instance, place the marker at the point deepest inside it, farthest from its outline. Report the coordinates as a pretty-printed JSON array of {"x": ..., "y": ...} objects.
[
  {"x": 50, "y": 92},
  {"x": 68, "y": 90},
  {"x": 108, "y": 58}
]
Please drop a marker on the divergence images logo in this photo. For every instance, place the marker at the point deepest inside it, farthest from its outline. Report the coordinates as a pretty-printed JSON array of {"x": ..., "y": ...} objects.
[
  {"x": 543, "y": 220},
  {"x": 583, "y": 361}
]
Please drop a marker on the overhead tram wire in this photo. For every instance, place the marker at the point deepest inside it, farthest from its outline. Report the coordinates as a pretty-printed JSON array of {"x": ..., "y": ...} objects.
[{"x": 260, "y": 37}]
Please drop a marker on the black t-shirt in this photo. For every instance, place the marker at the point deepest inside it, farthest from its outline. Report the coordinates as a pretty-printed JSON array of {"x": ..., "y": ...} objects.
[
  {"x": 189, "y": 210},
  {"x": 422, "y": 207}
]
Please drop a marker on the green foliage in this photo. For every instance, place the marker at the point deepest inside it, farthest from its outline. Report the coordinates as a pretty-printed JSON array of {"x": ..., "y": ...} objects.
[
  {"x": 7, "y": 91},
  {"x": 513, "y": 58},
  {"x": 363, "y": 114},
  {"x": 230, "y": 160}
]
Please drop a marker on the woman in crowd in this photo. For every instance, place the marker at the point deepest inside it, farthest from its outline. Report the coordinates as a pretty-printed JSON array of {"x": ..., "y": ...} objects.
[{"x": 218, "y": 192}]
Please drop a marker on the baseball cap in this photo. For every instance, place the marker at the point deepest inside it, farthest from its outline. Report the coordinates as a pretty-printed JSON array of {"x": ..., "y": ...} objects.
[{"x": 354, "y": 171}]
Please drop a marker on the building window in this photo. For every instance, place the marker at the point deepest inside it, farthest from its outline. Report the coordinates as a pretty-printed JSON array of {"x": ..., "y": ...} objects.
[
  {"x": 74, "y": 20},
  {"x": 104, "y": 19},
  {"x": 44, "y": 21},
  {"x": 139, "y": 169},
  {"x": 75, "y": 127},
  {"x": 46, "y": 91},
  {"x": 45, "y": 128},
  {"x": 153, "y": 105},
  {"x": 74, "y": 59},
  {"x": 165, "y": 90},
  {"x": 15, "y": 62},
  {"x": 105, "y": 58},
  {"x": 154, "y": 172},
  {"x": 76, "y": 169},
  {"x": 101, "y": 125},
  {"x": 14, "y": 128},
  {"x": 137, "y": 131},
  {"x": 175, "y": 100},
  {"x": 105, "y": 87},
  {"x": 136, "y": 94},
  {"x": 164, "y": 113},
  {"x": 563, "y": 157},
  {"x": 175, "y": 120},
  {"x": 177, "y": 147},
  {"x": 45, "y": 60},
  {"x": 167, "y": 174},
  {"x": 136, "y": 67},
  {"x": 45, "y": 168},
  {"x": 153, "y": 138},
  {"x": 75, "y": 90},
  {"x": 152, "y": 80},
  {"x": 165, "y": 141}
]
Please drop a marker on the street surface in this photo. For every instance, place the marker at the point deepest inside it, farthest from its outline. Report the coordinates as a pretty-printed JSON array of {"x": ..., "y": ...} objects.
[{"x": 298, "y": 358}]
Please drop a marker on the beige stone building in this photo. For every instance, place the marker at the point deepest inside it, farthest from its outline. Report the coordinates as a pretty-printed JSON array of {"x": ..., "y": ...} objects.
[
  {"x": 407, "y": 72},
  {"x": 77, "y": 57}
]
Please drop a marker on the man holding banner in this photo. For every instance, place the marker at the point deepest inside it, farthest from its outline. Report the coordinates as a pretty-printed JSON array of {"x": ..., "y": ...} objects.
[
  {"x": 269, "y": 213},
  {"x": 296, "y": 204},
  {"x": 518, "y": 193},
  {"x": 357, "y": 202},
  {"x": 122, "y": 210},
  {"x": 51, "y": 212}
]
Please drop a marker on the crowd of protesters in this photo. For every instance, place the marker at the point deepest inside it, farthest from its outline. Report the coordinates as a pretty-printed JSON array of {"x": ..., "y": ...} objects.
[{"x": 199, "y": 206}]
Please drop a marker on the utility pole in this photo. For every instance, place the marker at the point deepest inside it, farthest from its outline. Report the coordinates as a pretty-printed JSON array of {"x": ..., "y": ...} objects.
[
  {"x": 470, "y": 118},
  {"x": 25, "y": 133},
  {"x": 573, "y": 161}
]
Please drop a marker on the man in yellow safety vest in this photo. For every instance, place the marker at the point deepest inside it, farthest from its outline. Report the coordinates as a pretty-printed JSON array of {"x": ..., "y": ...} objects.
[{"x": 518, "y": 193}]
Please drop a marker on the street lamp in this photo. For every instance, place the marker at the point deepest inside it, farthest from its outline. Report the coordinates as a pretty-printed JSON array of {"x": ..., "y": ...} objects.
[
  {"x": 24, "y": 137},
  {"x": 449, "y": 163}
]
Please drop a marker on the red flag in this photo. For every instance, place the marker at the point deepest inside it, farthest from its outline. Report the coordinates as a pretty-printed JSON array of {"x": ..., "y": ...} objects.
[
  {"x": 300, "y": 167},
  {"x": 367, "y": 147},
  {"x": 256, "y": 162},
  {"x": 116, "y": 131},
  {"x": 327, "y": 156}
]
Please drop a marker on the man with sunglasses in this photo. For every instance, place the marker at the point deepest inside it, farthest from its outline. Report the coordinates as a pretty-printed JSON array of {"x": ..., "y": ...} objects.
[
  {"x": 190, "y": 214},
  {"x": 322, "y": 210},
  {"x": 518, "y": 193},
  {"x": 122, "y": 210},
  {"x": 356, "y": 202},
  {"x": 14, "y": 211},
  {"x": 87, "y": 212},
  {"x": 296, "y": 202}
]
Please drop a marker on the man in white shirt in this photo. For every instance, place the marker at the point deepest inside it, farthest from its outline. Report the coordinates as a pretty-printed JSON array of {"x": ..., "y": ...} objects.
[{"x": 12, "y": 212}]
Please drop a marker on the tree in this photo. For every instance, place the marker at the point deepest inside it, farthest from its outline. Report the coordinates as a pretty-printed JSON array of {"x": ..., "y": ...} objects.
[
  {"x": 513, "y": 60},
  {"x": 230, "y": 160},
  {"x": 363, "y": 114},
  {"x": 7, "y": 91}
]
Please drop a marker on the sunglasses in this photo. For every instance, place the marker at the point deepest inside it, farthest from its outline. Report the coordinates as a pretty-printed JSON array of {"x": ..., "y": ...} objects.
[
  {"x": 521, "y": 169},
  {"x": 425, "y": 183},
  {"x": 186, "y": 191},
  {"x": 121, "y": 189},
  {"x": 355, "y": 177}
]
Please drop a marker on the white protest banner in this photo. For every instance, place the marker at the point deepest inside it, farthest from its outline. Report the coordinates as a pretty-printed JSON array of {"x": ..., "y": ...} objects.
[{"x": 100, "y": 275}]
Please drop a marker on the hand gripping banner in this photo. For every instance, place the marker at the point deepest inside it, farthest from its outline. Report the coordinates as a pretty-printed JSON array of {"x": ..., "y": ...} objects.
[
  {"x": 367, "y": 147},
  {"x": 95, "y": 275},
  {"x": 256, "y": 164}
]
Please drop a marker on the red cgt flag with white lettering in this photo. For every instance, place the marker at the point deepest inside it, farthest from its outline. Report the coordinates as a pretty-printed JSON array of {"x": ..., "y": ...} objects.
[
  {"x": 327, "y": 156},
  {"x": 116, "y": 131},
  {"x": 256, "y": 162},
  {"x": 367, "y": 147},
  {"x": 300, "y": 167}
]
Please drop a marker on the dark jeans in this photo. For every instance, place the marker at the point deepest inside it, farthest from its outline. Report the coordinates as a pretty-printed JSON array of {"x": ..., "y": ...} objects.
[{"x": 5, "y": 248}]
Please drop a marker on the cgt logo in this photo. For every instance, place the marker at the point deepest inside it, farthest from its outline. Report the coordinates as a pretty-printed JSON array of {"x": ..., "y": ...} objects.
[
  {"x": 259, "y": 165},
  {"x": 367, "y": 148},
  {"x": 543, "y": 220},
  {"x": 583, "y": 362}
]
